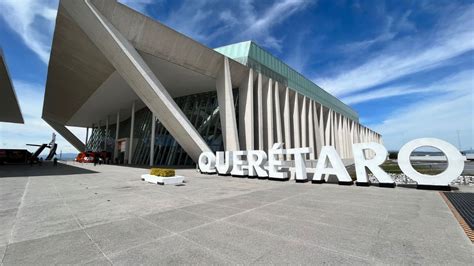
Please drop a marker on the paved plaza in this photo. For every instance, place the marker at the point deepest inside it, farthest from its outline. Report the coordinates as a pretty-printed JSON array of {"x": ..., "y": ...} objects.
[{"x": 81, "y": 214}]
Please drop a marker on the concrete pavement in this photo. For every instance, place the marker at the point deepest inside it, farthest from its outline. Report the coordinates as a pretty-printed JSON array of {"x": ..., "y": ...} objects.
[{"x": 81, "y": 214}]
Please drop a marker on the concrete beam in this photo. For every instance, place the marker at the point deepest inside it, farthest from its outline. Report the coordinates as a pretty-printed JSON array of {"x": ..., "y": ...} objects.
[
  {"x": 133, "y": 69},
  {"x": 67, "y": 134}
]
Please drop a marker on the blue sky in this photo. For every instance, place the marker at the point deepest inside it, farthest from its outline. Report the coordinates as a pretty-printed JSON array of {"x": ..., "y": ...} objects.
[{"x": 407, "y": 67}]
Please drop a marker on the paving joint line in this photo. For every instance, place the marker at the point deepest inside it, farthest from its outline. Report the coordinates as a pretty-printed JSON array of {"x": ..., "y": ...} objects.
[
  {"x": 187, "y": 239},
  {"x": 79, "y": 223},
  {"x": 297, "y": 241},
  {"x": 20, "y": 206}
]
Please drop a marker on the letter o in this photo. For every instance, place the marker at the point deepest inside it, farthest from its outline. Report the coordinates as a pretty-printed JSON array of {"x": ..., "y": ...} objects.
[{"x": 454, "y": 158}]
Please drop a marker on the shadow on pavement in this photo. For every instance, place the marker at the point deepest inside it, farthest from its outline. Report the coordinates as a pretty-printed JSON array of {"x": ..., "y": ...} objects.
[{"x": 46, "y": 169}]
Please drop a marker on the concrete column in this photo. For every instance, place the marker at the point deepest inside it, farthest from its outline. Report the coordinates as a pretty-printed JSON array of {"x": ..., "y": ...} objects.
[
  {"x": 101, "y": 134},
  {"x": 133, "y": 69},
  {"x": 246, "y": 113},
  {"x": 87, "y": 138},
  {"x": 132, "y": 127},
  {"x": 311, "y": 129},
  {"x": 106, "y": 133},
  {"x": 225, "y": 98},
  {"x": 260, "y": 111},
  {"x": 92, "y": 131},
  {"x": 268, "y": 116},
  {"x": 117, "y": 130},
  {"x": 152, "y": 139},
  {"x": 296, "y": 122}
]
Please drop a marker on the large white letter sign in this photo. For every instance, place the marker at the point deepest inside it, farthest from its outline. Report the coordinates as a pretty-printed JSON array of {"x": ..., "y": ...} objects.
[
  {"x": 224, "y": 165},
  {"x": 300, "y": 165},
  {"x": 329, "y": 154},
  {"x": 237, "y": 169},
  {"x": 207, "y": 162},
  {"x": 275, "y": 165},
  {"x": 373, "y": 164},
  {"x": 454, "y": 157},
  {"x": 256, "y": 160}
]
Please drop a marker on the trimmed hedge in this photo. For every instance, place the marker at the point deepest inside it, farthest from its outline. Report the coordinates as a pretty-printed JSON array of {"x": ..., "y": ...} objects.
[{"x": 162, "y": 172}]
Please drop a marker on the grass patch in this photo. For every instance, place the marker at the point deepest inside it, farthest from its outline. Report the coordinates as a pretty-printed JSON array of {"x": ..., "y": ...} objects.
[{"x": 162, "y": 172}]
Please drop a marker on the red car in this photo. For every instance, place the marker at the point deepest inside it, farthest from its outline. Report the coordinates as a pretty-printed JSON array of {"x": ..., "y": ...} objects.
[{"x": 89, "y": 156}]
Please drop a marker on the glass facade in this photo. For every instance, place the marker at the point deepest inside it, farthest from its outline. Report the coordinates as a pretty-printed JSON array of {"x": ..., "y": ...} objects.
[
  {"x": 250, "y": 54},
  {"x": 202, "y": 110}
]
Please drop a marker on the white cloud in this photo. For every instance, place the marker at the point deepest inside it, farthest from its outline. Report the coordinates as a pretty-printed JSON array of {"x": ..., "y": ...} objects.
[
  {"x": 138, "y": 5},
  {"x": 381, "y": 93},
  {"x": 33, "y": 21},
  {"x": 442, "y": 115},
  {"x": 448, "y": 84},
  {"x": 206, "y": 20},
  {"x": 259, "y": 26},
  {"x": 406, "y": 57}
]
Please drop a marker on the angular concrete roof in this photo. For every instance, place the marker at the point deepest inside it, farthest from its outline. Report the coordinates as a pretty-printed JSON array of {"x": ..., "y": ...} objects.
[
  {"x": 9, "y": 107},
  {"x": 83, "y": 87}
]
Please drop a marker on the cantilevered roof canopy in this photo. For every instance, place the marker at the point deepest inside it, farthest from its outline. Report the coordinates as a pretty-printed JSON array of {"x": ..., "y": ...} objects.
[
  {"x": 83, "y": 87},
  {"x": 9, "y": 107},
  {"x": 106, "y": 58}
]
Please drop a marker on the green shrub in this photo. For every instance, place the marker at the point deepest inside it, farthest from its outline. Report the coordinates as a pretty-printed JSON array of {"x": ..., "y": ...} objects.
[{"x": 162, "y": 172}]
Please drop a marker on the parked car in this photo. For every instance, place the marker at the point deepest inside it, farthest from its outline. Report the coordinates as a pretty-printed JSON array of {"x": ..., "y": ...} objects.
[{"x": 89, "y": 156}]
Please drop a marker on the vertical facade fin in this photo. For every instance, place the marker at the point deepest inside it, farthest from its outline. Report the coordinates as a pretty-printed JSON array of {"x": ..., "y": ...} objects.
[
  {"x": 287, "y": 121},
  {"x": 246, "y": 113},
  {"x": 225, "y": 98},
  {"x": 268, "y": 116},
  {"x": 296, "y": 122},
  {"x": 260, "y": 112},
  {"x": 311, "y": 129},
  {"x": 278, "y": 118}
]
